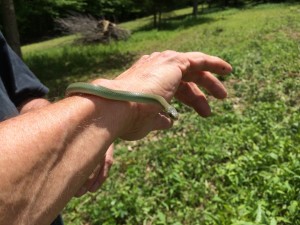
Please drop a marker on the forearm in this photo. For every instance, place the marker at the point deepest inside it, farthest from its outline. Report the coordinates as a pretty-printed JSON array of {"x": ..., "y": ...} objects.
[{"x": 53, "y": 150}]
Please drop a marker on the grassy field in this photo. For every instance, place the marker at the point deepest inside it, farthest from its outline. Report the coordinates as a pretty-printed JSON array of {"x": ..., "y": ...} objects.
[{"x": 242, "y": 165}]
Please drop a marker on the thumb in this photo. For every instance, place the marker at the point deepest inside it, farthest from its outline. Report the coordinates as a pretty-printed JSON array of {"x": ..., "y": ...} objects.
[{"x": 162, "y": 122}]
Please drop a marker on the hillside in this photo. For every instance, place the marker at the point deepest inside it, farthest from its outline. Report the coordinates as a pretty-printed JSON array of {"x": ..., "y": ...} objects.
[{"x": 242, "y": 165}]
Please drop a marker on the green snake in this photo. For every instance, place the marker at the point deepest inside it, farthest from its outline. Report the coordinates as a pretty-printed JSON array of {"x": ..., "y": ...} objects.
[{"x": 104, "y": 92}]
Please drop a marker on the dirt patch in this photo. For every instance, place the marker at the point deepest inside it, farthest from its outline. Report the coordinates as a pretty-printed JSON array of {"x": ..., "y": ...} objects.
[{"x": 293, "y": 34}]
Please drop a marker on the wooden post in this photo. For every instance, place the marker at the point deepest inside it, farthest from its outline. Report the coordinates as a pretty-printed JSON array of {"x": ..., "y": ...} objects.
[{"x": 10, "y": 26}]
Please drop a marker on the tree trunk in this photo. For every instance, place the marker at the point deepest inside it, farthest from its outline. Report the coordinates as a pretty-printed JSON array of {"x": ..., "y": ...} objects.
[
  {"x": 10, "y": 27},
  {"x": 159, "y": 19},
  {"x": 155, "y": 19},
  {"x": 225, "y": 3},
  {"x": 195, "y": 8}
]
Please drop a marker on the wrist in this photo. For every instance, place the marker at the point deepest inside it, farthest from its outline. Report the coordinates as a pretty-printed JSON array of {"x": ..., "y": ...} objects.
[
  {"x": 113, "y": 115},
  {"x": 138, "y": 119}
]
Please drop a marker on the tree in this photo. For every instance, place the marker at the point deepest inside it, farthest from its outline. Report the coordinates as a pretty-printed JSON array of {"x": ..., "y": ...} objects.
[
  {"x": 36, "y": 18},
  {"x": 157, "y": 7},
  {"x": 10, "y": 26},
  {"x": 114, "y": 10},
  {"x": 195, "y": 8}
]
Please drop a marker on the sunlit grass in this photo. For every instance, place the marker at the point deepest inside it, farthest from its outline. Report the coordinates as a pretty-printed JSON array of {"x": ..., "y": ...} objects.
[{"x": 240, "y": 166}]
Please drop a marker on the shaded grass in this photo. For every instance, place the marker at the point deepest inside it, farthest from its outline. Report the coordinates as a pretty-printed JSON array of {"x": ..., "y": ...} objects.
[{"x": 82, "y": 63}]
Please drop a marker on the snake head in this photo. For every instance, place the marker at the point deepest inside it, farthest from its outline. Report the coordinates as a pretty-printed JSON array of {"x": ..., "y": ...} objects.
[{"x": 172, "y": 112}]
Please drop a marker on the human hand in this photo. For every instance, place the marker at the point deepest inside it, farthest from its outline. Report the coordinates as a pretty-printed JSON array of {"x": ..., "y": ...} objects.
[
  {"x": 99, "y": 175},
  {"x": 168, "y": 74}
]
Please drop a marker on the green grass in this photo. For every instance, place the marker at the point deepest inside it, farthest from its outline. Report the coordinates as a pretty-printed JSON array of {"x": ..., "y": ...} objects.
[{"x": 242, "y": 165}]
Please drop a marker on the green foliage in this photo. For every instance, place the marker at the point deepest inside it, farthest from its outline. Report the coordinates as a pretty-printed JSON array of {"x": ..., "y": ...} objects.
[
  {"x": 110, "y": 9},
  {"x": 241, "y": 166},
  {"x": 36, "y": 19}
]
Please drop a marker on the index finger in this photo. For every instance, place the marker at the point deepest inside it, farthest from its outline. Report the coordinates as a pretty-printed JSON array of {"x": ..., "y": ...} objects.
[{"x": 202, "y": 62}]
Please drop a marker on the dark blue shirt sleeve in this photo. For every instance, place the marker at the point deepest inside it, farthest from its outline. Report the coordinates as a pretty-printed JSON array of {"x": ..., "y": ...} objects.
[{"x": 20, "y": 83}]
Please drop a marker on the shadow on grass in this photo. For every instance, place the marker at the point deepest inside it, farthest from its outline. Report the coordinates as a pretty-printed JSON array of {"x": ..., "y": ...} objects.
[
  {"x": 73, "y": 63},
  {"x": 176, "y": 22}
]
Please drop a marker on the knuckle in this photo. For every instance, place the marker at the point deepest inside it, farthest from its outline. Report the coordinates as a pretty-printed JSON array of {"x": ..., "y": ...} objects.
[
  {"x": 203, "y": 60},
  {"x": 144, "y": 57},
  {"x": 176, "y": 57},
  {"x": 168, "y": 53},
  {"x": 183, "y": 62},
  {"x": 154, "y": 54}
]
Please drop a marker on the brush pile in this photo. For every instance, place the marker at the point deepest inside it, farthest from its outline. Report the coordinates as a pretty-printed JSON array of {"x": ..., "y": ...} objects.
[{"x": 92, "y": 30}]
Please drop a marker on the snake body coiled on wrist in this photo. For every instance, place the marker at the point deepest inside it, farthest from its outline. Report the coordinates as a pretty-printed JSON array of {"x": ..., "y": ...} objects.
[{"x": 104, "y": 92}]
